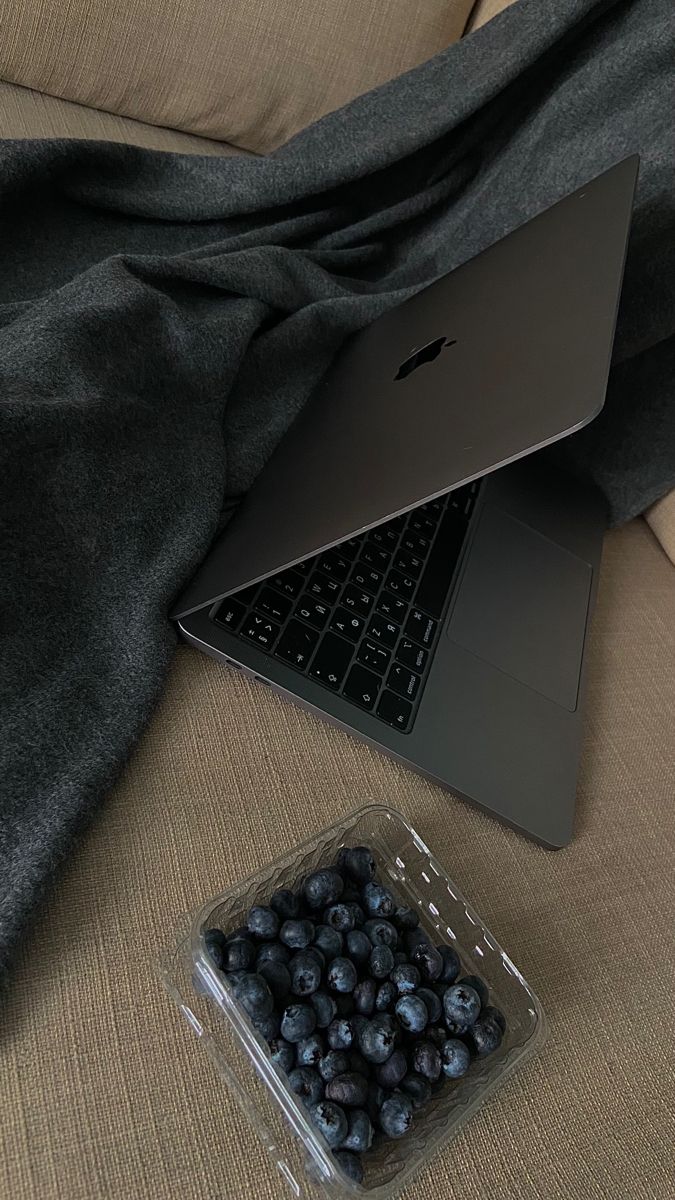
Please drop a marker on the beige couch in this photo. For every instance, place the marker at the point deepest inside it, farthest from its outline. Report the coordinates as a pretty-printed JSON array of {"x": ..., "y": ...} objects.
[{"x": 104, "y": 1092}]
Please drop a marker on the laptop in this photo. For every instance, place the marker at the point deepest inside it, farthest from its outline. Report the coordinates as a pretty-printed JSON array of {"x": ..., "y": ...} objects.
[{"x": 406, "y": 565}]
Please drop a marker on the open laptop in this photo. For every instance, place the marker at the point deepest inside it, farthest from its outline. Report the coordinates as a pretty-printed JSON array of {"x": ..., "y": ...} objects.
[{"x": 396, "y": 569}]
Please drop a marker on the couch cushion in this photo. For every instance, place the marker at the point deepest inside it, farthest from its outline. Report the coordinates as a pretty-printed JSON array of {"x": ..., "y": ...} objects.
[
  {"x": 251, "y": 72},
  {"x": 107, "y": 1093},
  {"x": 28, "y": 114}
]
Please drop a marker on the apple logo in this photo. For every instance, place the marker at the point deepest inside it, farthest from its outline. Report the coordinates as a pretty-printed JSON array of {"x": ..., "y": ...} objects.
[{"x": 426, "y": 355}]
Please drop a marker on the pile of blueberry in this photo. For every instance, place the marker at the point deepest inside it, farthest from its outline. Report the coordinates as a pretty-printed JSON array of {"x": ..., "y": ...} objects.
[{"x": 366, "y": 1017}]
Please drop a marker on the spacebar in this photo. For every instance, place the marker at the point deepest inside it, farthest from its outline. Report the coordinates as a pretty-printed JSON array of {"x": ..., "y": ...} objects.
[{"x": 434, "y": 584}]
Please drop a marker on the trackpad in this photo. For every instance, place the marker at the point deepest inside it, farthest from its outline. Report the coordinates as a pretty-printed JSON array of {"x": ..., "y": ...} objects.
[{"x": 522, "y": 606}]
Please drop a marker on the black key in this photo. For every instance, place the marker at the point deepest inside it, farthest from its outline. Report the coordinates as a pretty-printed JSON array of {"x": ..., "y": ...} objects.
[
  {"x": 314, "y": 611},
  {"x": 416, "y": 545},
  {"x": 384, "y": 631},
  {"x": 304, "y": 567},
  {"x": 296, "y": 644},
  {"x": 392, "y": 606},
  {"x": 347, "y": 623},
  {"x": 331, "y": 660},
  {"x": 273, "y": 605},
  {"x": 397, "y": 522},
  {"x": 421, "y": 525},
  {"x": 401, "y": 585},
  {"x": 435, "y": 582},
  {"x": 361, "y": 686},
  {"x": 356, "y": 599},
  {"x": 404, "y": 681},
  {"x": 366, "y": 577},
  {"x": 409, "y": 564},
  {"x": 351, "y": 548},
  {"x": 384, "y": 537},
  {"x": 394, "y": 710},
  {"x": 420, "y": 627},
  {"x": 230, "y": 614},
  {"x": 375, "y": 556},
  {"x": 375, "y": 657},
  {"x": 411, "y": 655},
  {"x": 434, "y": 508},
  {"x": 260, "y": 630},
  {"x": 288, "y": 582},
  {"x": 333, "y": 564},
  {"x": 247, "y": 595},
  {"x": 323, "y": 587}
]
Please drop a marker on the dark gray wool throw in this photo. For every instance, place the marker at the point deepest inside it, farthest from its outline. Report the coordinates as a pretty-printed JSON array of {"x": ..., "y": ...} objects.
[{"x": 163, "y": 318}]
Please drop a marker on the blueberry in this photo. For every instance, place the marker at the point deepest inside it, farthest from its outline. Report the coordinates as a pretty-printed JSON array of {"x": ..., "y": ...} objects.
[
  {"x": 415, "y": 937},
  {"x": 241, "y": 932},
  {"x": 350, "y": 1165},
  {"x": 272, "y": 952},
  {"x": 325, "y": 1008},
  {"x": 358, "y": 946},
  {"x": 381, "y": 932},
  {"x": 378, "y": 900},
  {"x": 436, "y": 1034},
  {"x": 216, "y": 947},
  {"x": 340, "y": 1033},
  {"x": 386, "y": 997},
  {"x": 310, "y": 1050},
  {"x": 364, "y": 996},
  {"x": 360, "y": 1132},
  {"x": 342, "y": 975},
  {"x": 381, "y": 962},
  {"x": 350, "y": 895},
  {"x": 400, "y": 956},
  {"x": 461, "y": 1006},
  {"x": 359, "y": 864},
  {"x": 405, "y": 919},
  {"x": 433, "y": 1003},
  {"x": 306, "y": 1084},
  {"x": 328, "y": 941},
  {"x": 376, "y": 1098},
  {"x": 357, "y": 913},
  {"x": 254, "y": 995},
  {"x": 484, "y": 1036},
  {"x": 305, "y": 973},
  {"x": 298, "y": 934},
  {"x": 285, "y": 904},
  {"x": 426, "y": 1061},
  {"x": 496, "y": 1015},
  {"x": 323, "y": 887},
  {"x": 344, "y": 1002},
  {"x": 298, "y": 1021},
  {"x": 428, "y": 960},
  {"x": 377, "y": 1038},
  {"x": 418, "y": 1089},
  {"x": 277, "y": 978},
  {"x": 263, "y": 922},
  {"x": 317, "y": 955},
  {"x": 406, "y": 978},
  {"x": 330, "y": 1121},
  {"x": 455, "y": 1058},
  {"x": 335, "y": 1062},
  {"x": 340, "y": 917},
  {"x": 282, "y": 1053},
  {"x": 235, "y": 977},
  {"x": 350, "y": 1090},
  {"x": 412, "y": 1013},
  {"x": 451, "y": 964},
  {"x": 239, "y": 955},
  {"x": 475, "y": 982},
  {"x": 396, "y": 1116},
  {"x": 390, "y": 1073},
  {"x": 268, "y": 1027}
]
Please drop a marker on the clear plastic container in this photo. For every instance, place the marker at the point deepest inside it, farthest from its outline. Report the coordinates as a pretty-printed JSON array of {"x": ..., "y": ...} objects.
[{"x": 241, "y": 1056}]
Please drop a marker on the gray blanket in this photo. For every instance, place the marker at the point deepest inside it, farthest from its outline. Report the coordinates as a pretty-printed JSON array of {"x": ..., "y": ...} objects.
[{"x": 163, "y": 318}]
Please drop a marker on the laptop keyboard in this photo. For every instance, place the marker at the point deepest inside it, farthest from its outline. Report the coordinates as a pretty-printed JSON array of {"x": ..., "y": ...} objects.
[{"x": 362, "y": 618}]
